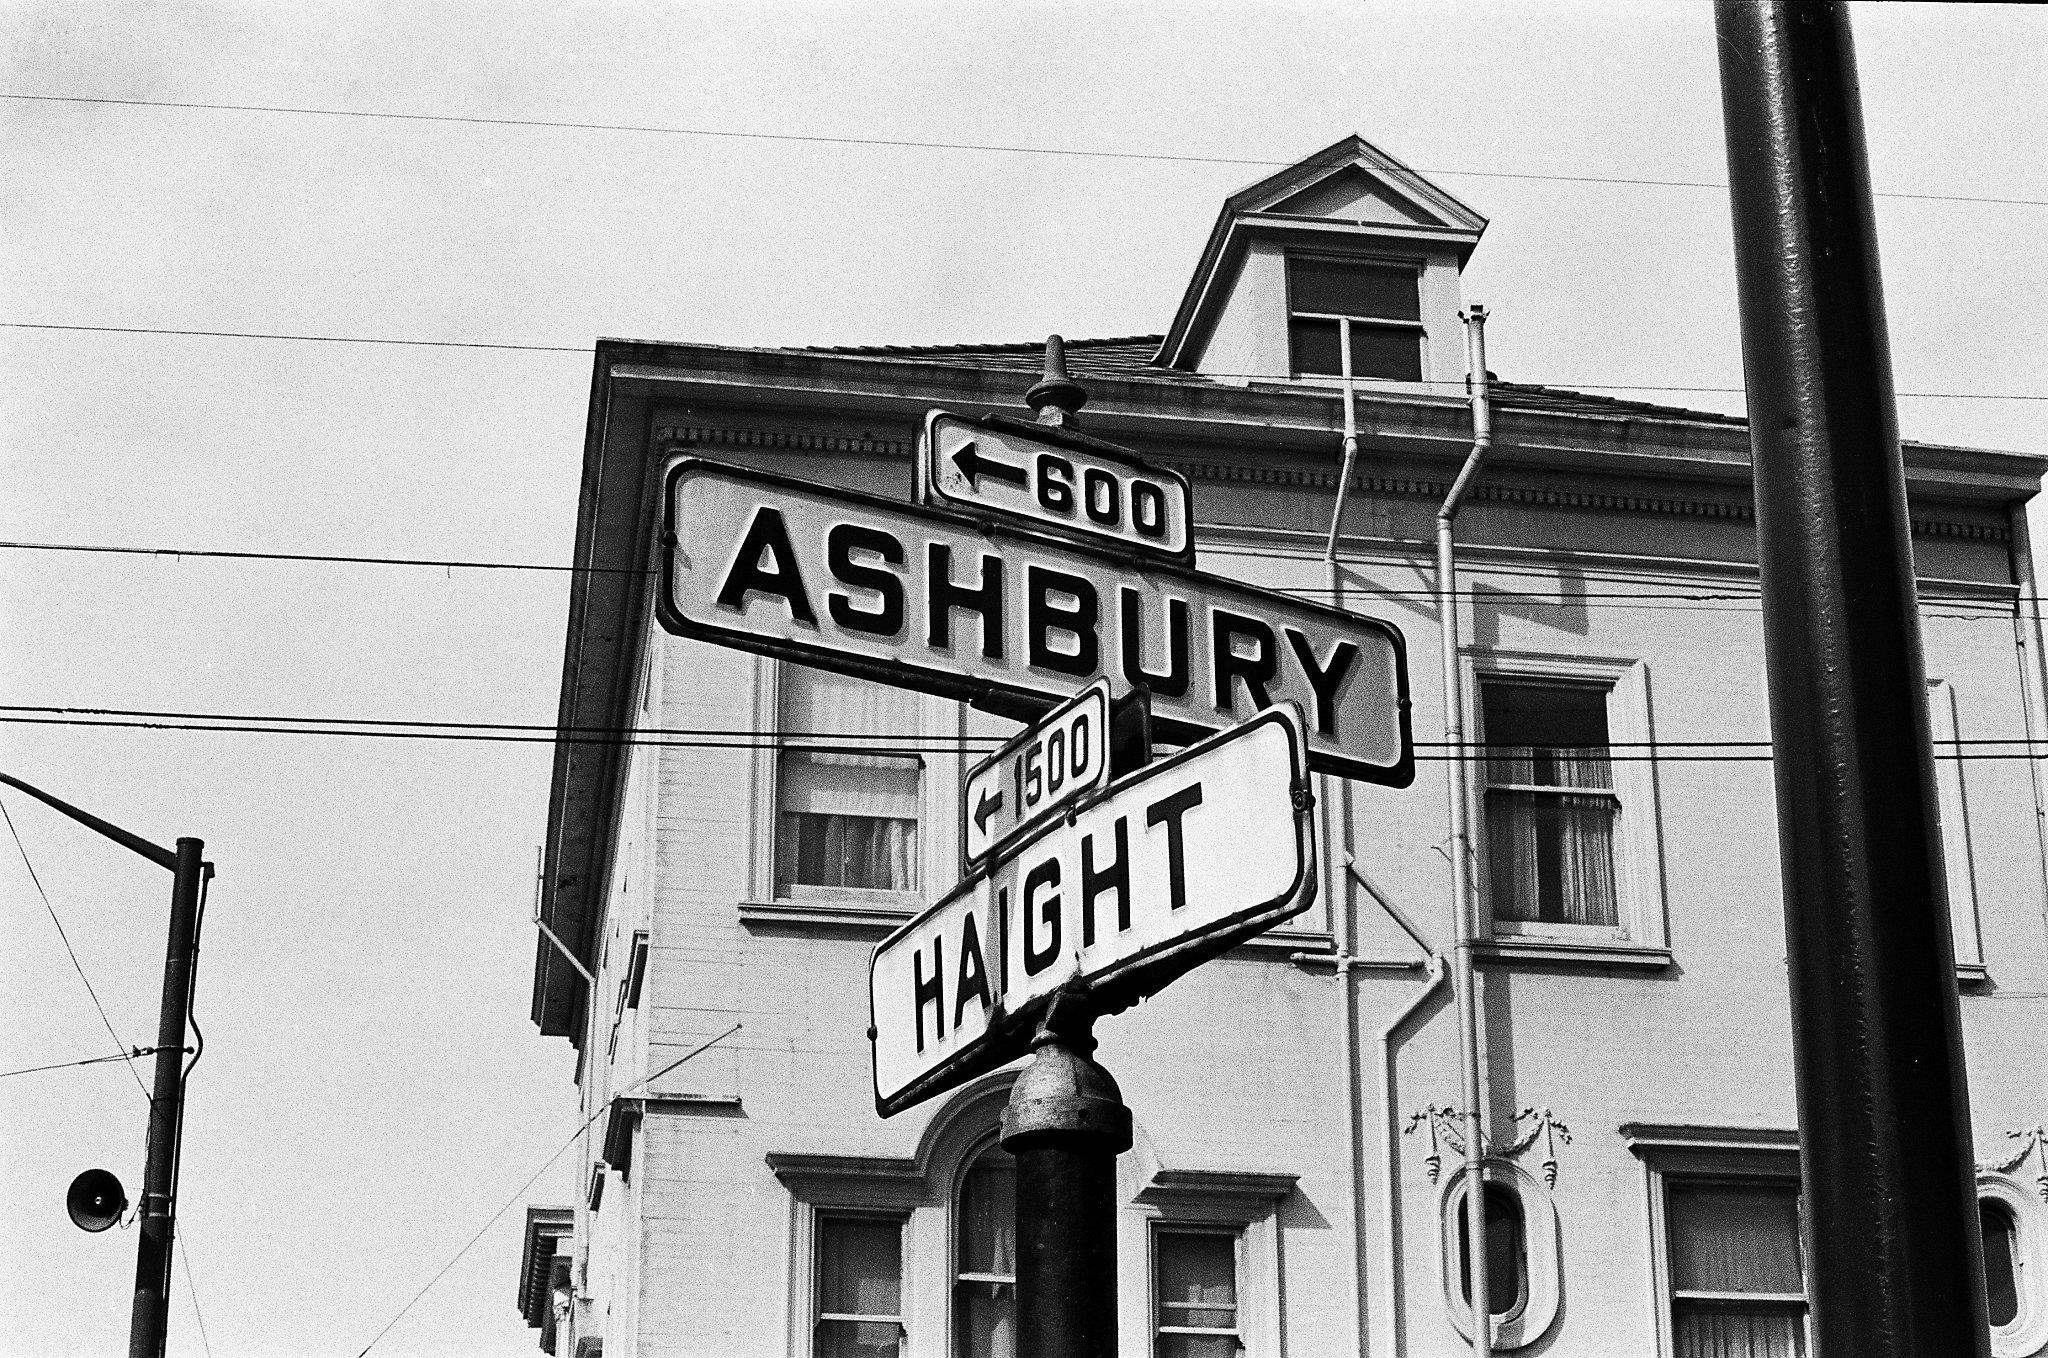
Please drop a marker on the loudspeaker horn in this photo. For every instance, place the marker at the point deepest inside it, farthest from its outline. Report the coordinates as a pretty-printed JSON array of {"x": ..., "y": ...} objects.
[{"x": 96, "y": 1200}]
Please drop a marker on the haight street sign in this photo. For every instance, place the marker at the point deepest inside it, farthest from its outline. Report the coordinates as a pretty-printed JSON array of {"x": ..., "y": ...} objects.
[
  {"x": 1180, "y": 861},
  {"x": 1067, "y": 483},
  {"x": 1057, "y": 761},
  {"x": 1015, "y": 622}
]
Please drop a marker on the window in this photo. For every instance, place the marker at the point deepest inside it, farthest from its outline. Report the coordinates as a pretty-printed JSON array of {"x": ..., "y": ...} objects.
[
  {"x": 1737, "y": 1285},
  {"x": 1375, "y": 307},
  {"x": 845, "y": 820},
  {"x": 2014, "y": 1222},
  {"x": 2001, "y": 1261},
  {"x": 859, "y": 1312},
  {"x": 985, "y": 1273},
  {"x": 1194, "y": 1284},
  {"x": 1550, "y": 803},
  {"x": 1524, "y": 1263},
  {"x": 1507, "y": 1274}
]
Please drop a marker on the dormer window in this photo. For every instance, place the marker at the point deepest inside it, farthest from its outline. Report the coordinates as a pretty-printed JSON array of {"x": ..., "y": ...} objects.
[{"x": 1378, "y": 305}]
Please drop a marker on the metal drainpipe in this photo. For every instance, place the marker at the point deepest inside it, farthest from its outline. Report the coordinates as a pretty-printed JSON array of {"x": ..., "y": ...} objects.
[
  {"x": 1390, "y": 1140},
  {"x": 1463, "y": 971},
  {"x": 1390, "y": 1155},
  {"x": 2033, "y": 673},
  {"x": 1338, "y": 822}
]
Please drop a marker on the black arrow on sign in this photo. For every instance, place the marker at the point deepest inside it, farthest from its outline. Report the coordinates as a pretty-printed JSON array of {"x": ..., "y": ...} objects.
[
  {"x": 972, "y": 464},
  {"x": 988, "y": 805}
]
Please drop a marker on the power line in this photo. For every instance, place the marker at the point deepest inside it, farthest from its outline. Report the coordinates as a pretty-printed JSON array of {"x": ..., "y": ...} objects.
[
  {"x": 88, "y": 1061},
  {"x": 121, "y": 1046},
  {"x": 588, "y": 350},
  {"x": 532, "y": 1179},
  {"x": 1077, "y": 153},
  {"x": 908, "y": 747},
  {"x": 439, "y": 563}
]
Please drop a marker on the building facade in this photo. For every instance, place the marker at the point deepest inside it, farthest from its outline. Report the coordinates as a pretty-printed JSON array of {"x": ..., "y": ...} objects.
[{"x": 715, "y": 881}]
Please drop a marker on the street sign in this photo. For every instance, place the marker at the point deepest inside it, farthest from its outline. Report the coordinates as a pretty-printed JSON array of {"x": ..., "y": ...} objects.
[
  {"x": 1052, "y": 764},
  {"x": 1176, "y": 863},
  {"x": 1016, "y": 622},
  {"x": 1058, "y": 480}
]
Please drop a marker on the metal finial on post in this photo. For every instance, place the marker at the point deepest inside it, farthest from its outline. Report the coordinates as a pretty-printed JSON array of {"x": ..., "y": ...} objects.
[{"x": 1057, "y": 398}]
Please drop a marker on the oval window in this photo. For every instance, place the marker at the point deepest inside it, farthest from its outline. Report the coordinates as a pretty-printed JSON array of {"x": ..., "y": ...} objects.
[{"x": 1507, "y": 1254}]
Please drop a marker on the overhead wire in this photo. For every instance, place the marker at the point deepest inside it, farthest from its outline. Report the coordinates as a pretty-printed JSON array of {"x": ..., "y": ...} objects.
[
  {"x": 911, "y": 745},
  {"x": 587, "y": 351},
  {"x": 535, "y": 1177},
  {"x": 77, "y": 966},
  {"x": 1078, "y": 153}
]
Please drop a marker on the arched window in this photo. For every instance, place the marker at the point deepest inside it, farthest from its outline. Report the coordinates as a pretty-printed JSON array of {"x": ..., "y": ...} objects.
[
  {"x": 2001, "y": 1270},
  {"x": 985, "y": 1258},
  {"x": 2015, "y": 1233},
  {"x": 1507, "y": 1254},
  {"x": 1524, "y": 1274}
]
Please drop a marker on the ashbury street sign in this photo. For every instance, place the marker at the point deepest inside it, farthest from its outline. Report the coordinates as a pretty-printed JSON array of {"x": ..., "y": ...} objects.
[
  {"x": 1174, "y": 864},
  {"x": 1067, "y": 482},
  {"x": 1015, "y": 622},
  {"x": 1043, "y": 768}
]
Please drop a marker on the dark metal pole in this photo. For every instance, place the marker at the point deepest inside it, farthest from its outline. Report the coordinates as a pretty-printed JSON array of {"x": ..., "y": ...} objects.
[
  {"x": 167, "y": 1111},
  {"x": 1893, "y": 1256},
  {"x": 1066, "y": 1124}
]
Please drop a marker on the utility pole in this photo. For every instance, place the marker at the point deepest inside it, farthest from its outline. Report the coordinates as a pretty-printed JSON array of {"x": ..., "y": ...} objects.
[
  {"x": 158, "y": 1211},
  {"x": 1894, "y": 1266}
]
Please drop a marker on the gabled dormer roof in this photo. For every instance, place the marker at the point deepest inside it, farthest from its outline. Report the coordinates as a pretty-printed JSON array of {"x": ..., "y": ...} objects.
[{"x": 1346, "y": 195}]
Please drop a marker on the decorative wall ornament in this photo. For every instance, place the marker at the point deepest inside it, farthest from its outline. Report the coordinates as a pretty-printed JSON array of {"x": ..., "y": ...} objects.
[
  {"x": 1445, "y": 1128},
  {"x": 1543, "y": 1124},
  {"x": 2033, "y": 1142}
]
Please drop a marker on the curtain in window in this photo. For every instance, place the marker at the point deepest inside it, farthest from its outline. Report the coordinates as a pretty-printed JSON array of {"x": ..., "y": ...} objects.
[
  {"x": 1551, "y": 852},
  {"x": 848, "y": 820},
  {"x": 1702, "y": 1333},
  {"x": 860, "y": 1288},
  {"x": 985, "y": 1294},
  {"x": 1731, "y": 1240},
  {"x": 1197, "y": 1281}
]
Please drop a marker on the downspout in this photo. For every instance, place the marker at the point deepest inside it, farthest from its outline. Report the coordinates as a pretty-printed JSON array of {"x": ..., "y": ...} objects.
[
  {"x": 1464, "y": 914},
  {"x": 1346, "y": 925},
  {"x": 2033, "y": 675},
  {"x": 1390, "y": 1139}
]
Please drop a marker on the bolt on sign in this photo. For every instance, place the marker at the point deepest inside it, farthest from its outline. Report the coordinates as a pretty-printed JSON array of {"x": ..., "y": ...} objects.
[
  {"x": 1015, "y": 621},
  {"x": 1174, "y": 864},
  {"x": 1035, "y": 773},
  {"x": 1058, "y": 480}
]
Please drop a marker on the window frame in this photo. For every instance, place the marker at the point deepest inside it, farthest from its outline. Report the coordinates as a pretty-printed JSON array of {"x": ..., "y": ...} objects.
[
  {"x": 938, "y": 849},
  {"x": 1952, "y": 818},
  {"x": 1156, "y": 1230},
  {"x": 1417, "y": 267},
  {"x": 1240, "y": 1202},
  {"x": 1542, "y": 1254},
  {"x": 1640, "y": 936},
  {"x": 955, "y": 1276},
  {"x": 1730, "y": 1155},
  {"x": 2027, "y": 1333},
  {"x": 821, "y": 1218}
]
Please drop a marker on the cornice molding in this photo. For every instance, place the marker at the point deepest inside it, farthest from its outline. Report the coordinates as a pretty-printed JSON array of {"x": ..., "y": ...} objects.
[{"x": 1227, "y": 473}]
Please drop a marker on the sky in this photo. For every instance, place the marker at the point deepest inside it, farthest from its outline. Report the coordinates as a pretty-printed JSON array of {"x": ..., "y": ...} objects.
[{"x": 372, "y": 1090}]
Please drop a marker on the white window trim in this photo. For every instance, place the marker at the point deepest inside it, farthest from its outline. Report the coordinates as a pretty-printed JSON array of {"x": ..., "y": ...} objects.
[
  {"x": 1687, "y": 1151},
  {"x": 2027, "y": 1334},
  {"x": 919, "y": 1190},
  {"x": 1419, "y": 266},
  {"x": 1542, "y": 1254},
  {"x": 938, "y": 829},
  {"x": 1643, "y": 934},
  {"x": 1958, "y": 861},
  {"x": 1243, "y": 1202}
]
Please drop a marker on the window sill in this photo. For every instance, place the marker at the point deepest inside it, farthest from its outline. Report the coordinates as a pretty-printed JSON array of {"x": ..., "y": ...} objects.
[
  {"x": 844, "y": 917},
  {"x": 1972, "y": 973},
  {"x": 1619, "y": 954}
]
